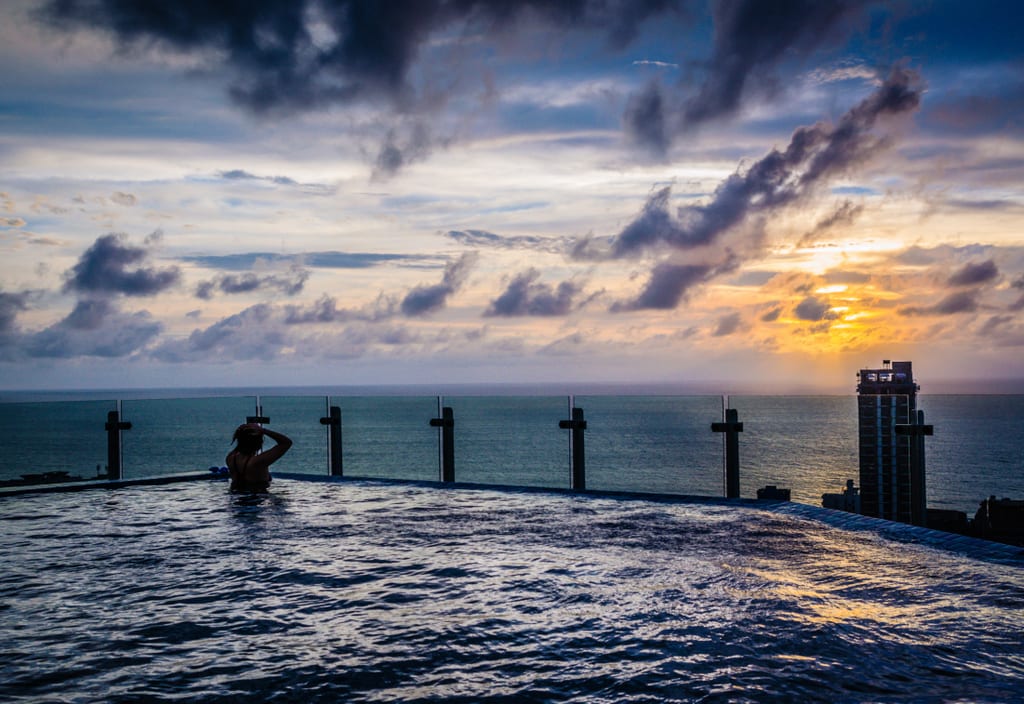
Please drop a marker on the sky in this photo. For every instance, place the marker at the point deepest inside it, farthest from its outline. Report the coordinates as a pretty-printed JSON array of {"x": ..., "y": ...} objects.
[{"x": 733, "y": 196}]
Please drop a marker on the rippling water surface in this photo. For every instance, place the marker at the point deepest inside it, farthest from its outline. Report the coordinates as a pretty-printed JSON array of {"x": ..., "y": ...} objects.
[{"x": 361, "y": 592}]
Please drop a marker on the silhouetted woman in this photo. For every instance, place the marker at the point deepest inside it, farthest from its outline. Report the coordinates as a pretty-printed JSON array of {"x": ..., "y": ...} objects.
[{"x": 248, "y": 464}]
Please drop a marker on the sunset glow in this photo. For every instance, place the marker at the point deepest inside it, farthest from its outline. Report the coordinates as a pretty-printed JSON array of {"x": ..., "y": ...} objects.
[{"x": 667, "y": 193}]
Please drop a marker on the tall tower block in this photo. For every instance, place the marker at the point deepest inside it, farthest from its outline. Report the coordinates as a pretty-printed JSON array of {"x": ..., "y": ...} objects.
[{"x": 887, "y": 397}]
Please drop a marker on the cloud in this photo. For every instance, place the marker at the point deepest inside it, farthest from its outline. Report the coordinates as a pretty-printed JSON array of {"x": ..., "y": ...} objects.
[
  {"x": 483, "y": 238},
  {"x": 771, "y": 315},
  {"x": 288, "y": 284},
  {"x": 318, "y": 260},
  {"x": 325, "y": 310},
  {"x": 103, "y": 268},
  {"x": 12, "y": 222},
  {"x": 751, "y": 38},
  {"x": 11, "y": 304},
  {"x": 252, "y": 333},
  {"x": 526, "y": 296},
  {"x": 644, "y": 119},
  {"x": 972, "y": 274},
  {"x": 952, "y": 304},
  {"x": 427, "y": 299},
  {"x": 94, "y": 328},
  {"x": 125, "y": 199},
  {"x": 780, "y": 179},
  {"x": 727, "y": 325},
  {"x": 309, "y": 54},
  {"x": 312, "y": 188},
  {"x": 844, "y": 214},
  {"x": 669, "y": 283},
  {"x": 814, "y": 309}
]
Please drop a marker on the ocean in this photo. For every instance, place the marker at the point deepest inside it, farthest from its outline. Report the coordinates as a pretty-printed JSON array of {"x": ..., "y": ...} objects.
[{"x": 647, "y": 443}]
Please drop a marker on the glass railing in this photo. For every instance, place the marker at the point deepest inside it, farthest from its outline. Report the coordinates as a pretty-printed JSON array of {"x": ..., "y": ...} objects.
[{"x": 647, "y": 444}]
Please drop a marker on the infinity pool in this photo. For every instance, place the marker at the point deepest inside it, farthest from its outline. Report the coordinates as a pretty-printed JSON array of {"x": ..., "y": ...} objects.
[{"x": 361, "y": 592}]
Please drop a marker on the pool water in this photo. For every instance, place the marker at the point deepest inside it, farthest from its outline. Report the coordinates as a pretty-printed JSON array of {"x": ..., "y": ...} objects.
[{"x": 362, "y": 592}]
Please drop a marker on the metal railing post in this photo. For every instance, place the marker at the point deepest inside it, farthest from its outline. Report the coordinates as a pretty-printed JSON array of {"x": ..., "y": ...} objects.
[
  {"x": 447, "y": 425},
  {"x": 732, "y": 427},
  {"x": 114, "y": 426},
  {"x": 578, "y": 479},
  {"x": 333, "y": 423},
  {"x": 917, "y": 430}
]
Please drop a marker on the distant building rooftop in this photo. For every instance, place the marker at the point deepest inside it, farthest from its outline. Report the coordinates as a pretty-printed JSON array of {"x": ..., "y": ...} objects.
[{"x": 892, "y": 378}]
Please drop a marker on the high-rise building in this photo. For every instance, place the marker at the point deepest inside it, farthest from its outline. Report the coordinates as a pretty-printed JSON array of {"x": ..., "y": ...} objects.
[{"x": 891, "y": 486}]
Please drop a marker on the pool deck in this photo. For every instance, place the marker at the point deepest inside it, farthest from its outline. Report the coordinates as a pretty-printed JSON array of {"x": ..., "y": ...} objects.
[{"x": 898, "y": 532}]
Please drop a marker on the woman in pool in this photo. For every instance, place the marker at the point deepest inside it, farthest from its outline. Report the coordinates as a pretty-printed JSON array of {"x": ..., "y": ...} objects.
[{"x": 248, "y": 464}]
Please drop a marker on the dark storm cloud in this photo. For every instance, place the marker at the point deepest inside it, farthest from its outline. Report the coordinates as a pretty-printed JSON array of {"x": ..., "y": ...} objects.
[
  {"x": 781, "y": 178},
  {"x": 104, "y": 268},
  {"x": 288, "y": 284},
  {"x": 751, "y": 38},
  {"x": 303, "y": 54},
  {"x": 427, "y": 299},
  {"x": 772, "y": 315},
  {"x": 972, "y": 274},
  {"x": 526, "y": 296},
  {"x": 670, "y": 283},
  {"x": 953, "y": 304}
]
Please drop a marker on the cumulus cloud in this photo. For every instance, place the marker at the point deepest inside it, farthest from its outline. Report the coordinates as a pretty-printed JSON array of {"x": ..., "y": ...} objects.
[
  {"x": 289, "y": 284},
  {"x": 669, "y": 284},
  {"x": 252, "y": 333},
  {"x": 952, "y": 304},
  {"x": 973, "y": 274},
  {"x": 780, "y": 179},
  {"x": 325, "y": 310},
  {"x": 105, "y": 268},
  {"x": 94, "y": 328},
  {"x": 814, "y": 309},
  {"x": 427, "y": 299},
  {"x": 525, "y": 295}
]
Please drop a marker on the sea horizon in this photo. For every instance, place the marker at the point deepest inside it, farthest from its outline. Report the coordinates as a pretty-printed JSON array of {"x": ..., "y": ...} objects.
[{"x": 952, "y": 387}]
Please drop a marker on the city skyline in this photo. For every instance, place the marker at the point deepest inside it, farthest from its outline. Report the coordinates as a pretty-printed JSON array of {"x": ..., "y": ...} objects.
[{"x": 765, "y": 196}]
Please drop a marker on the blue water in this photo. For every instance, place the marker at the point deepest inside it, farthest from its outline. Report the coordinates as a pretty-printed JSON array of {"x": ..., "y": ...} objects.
[
  {"x": 635, "y": 443},
  {"x": 365, "y": 593}
]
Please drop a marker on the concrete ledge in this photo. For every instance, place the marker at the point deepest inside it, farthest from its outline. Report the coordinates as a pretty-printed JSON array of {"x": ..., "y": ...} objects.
[
  {"x": 897, "y": 532},
  {"x": 61, "y": 487}
]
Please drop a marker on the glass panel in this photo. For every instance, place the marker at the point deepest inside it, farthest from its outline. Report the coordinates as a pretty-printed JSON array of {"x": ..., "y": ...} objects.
[
  {"x": 807, "y": 444},
  {"x": 511, "y": 440},
  {"x": 52, "y": 436},
  {"x": 660, "y": 444},
  {"x": 173, "y": 436},
  {"x": 298, "y": 417},
  {"x": 389, "y": 436}
]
